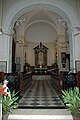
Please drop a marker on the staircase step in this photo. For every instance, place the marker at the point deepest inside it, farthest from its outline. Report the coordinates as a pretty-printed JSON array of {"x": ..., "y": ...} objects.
[{"x": 40, "y": 114}]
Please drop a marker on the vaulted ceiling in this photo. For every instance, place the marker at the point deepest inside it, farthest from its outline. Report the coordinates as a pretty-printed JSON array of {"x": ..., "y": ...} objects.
[{"x": 39, "y": 18}]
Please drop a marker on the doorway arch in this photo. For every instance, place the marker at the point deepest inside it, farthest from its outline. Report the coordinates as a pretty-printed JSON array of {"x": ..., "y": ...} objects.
[{"x": 60, "y": 7}]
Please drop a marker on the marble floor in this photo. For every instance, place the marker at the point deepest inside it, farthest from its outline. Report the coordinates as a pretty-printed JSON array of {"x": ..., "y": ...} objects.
[
  {"x": 40, "y": 114},
  {"x": 41, "y": 95}
]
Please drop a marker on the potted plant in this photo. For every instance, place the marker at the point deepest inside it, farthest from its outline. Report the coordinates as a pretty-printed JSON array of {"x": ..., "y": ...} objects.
[
  {"x": 71, "y": 98},
  {"x": 9, "y": 100}
]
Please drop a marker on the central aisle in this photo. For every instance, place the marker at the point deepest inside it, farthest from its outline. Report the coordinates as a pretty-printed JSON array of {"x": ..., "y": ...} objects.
[{"x": 41, "y": 95}]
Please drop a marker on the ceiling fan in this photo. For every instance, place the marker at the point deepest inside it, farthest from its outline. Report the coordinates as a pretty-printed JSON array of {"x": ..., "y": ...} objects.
[
  {"x": 78, "y": 29},
  {"x": 1, "y": 30}
]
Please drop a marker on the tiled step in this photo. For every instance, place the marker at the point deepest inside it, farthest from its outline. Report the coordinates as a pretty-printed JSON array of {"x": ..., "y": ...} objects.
[{"x": 40, "y": 114}]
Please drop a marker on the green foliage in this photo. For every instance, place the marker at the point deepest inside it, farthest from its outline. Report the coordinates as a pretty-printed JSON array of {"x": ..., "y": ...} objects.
[
  {"x": 8, "y": 99},
  {"x": 71, "y": 98},
  {"x": 10, "y": 102}
]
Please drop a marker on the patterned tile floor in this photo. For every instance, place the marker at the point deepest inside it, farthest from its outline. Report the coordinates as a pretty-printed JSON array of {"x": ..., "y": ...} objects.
[{"x": 41, "y": 95}]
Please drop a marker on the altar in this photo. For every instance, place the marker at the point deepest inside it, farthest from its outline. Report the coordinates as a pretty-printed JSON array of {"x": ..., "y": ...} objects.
[
  {"x": 40, "y": 71},
  {"x": 40, "y": 52}
]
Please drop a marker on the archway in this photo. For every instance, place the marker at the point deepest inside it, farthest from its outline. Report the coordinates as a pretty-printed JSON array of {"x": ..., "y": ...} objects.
[{"x": 63, "y": 9}]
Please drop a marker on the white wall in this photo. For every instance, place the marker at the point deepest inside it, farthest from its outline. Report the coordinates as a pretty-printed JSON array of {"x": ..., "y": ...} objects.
[
  {"x": 77, "y": 43},
  {"x": 51, "y": 53},
  {"x": 40, "y": 31},
  {"x": 75, "y": 4},
  {"x": 6, "y": 51}
]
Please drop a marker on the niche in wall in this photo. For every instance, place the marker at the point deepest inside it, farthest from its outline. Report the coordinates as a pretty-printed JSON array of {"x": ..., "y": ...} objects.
[
  {"x": 63, "y": 59},
  {"x": 40, "y": 55}
]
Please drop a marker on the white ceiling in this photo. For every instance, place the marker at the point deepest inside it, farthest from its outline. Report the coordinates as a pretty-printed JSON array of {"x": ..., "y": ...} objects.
[{"x": 40, "y": 16}]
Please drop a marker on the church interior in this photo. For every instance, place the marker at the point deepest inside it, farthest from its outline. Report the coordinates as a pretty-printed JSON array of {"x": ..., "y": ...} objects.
[{"x": 40, "y": 51}]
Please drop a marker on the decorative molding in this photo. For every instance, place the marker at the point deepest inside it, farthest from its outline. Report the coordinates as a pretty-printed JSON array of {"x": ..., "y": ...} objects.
[
  {"x": 41, "y": 21},
  {"x": 10, "y": 56}
]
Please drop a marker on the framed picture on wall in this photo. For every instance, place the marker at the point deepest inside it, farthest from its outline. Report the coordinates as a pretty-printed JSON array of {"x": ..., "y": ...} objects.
[
  {"x": 77, "y": 64},
  {"x": 63, "y": 57},
  {"x": 3, "y": 66}
]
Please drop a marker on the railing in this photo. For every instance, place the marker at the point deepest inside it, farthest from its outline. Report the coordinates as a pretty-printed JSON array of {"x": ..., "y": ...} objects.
[
  {"x": 25, "y": 82},
  {"x": 78, "y": 78},
  {"x": 18, "y": 82},
  {"x": 62, "y": 78},
  {"x": 55, "y": 82}
]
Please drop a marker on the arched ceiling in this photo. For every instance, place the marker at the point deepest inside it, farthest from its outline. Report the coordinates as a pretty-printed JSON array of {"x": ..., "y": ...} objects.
[
  {"x": 40, "y": 15},
  {"x": 38, "y": 18},
  {"x": 14, "y": 9},
  {"x": 39, "y": 11}
]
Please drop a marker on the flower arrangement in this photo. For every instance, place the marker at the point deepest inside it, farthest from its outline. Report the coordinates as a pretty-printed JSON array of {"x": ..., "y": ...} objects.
[{"x": 9, "y": 99}]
